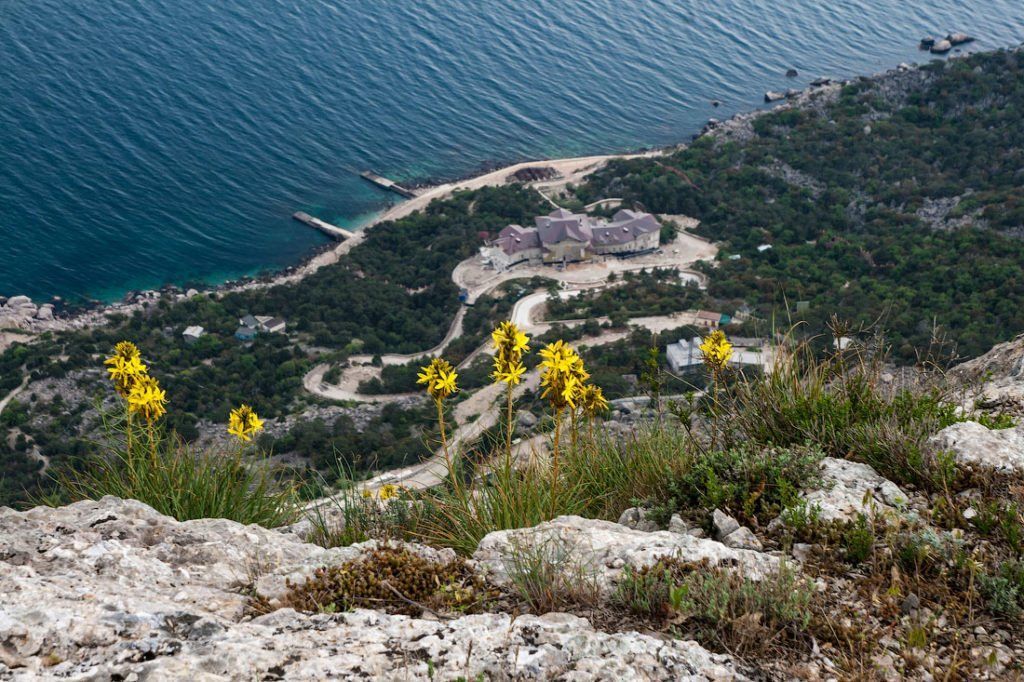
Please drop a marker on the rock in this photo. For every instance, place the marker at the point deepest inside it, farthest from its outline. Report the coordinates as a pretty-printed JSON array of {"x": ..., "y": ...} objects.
[
  {"x": 636, "y": 518},
  {"x": 677, "y": 525},
  {"x": 958, "y": 38},
  {"x": 821, "y": 81},
  {"x": 941, "y": 47},
  {"x": 45, "y": 312},
  {"x": 774, "y": 96},
  {"x": 801, "y": 551},
  {"x": 742, "y": 538},
  {"x": 114, "y": 590},
  {"x": 792, "y": 73},
  {"x": 970, "y": 513},
  {"x": 696, "y": 532},
  {"x": 716, "y": 103},
  {"x": 18, "y": 301},
  {"x": 601, "y": 549},
  {"x": 926, "y": 42},
  {"x": 910, "y": 604},
  {"x": 724, "y": 524},
  {"x": 191, "y": 293},
  {"x": 526, "y": 419},
  {"x": 845, "y": 487},
  {"x": 974, "y": 445}
]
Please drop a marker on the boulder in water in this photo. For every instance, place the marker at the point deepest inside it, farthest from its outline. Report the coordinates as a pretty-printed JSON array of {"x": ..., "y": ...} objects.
[
  {"x": 941, "y": 47},
  {"x": 958, "y": 38},
  {"x": 792, "y": 73},
  {"x": 774, "y": 96}
]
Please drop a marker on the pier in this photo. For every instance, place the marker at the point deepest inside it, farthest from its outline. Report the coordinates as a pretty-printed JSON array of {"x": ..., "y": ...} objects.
[
  {"x": 384, "y": 183},
  {"x": 332, "y": 231}
]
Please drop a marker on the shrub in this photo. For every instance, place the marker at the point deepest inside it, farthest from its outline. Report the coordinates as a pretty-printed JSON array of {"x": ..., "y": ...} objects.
[
  {"x": 742, "y": 615},
  {"x": 748, "y": 480},
  {"x": 389, "y": 578}
]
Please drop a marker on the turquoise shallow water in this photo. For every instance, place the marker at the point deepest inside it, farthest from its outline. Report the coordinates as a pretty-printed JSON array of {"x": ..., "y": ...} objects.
[{"x": 170, "y": 140}]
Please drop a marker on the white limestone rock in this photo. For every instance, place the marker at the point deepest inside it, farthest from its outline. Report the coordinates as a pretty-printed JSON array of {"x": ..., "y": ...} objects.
[
  {"x": 724, "y": 524},
  {"x": 114, "y": 590},
  {"x": 974, "y": 445},
  {"x": 601, "y": 549},
  {"x": 846, "y": 487},
  {"x": 45, "y": 312},
  {"x": 636, "y": 518},
  {"x": 742, "y": 538}
]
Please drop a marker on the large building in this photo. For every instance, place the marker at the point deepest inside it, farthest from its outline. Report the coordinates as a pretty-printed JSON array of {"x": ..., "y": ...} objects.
[{"x": 564, "y": 237}]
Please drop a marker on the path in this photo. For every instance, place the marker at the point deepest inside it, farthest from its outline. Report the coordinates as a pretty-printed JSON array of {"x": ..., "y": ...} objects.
[{"x": 13, "y": 394}]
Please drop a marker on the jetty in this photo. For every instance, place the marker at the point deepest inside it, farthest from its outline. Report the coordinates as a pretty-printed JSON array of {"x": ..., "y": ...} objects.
[
  {"x": 384, "y": 183},
  {"x": 332, "y": 231}
]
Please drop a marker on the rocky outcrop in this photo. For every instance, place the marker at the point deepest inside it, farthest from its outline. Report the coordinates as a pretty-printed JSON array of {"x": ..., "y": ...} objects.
[
  {"x": 601, "y": 549},
  {"x": 999, "y": 374},
  {"x": 851, "y": 488},
  {"x": 978, "y": 447},
  {"x": 114, "y": 590}
]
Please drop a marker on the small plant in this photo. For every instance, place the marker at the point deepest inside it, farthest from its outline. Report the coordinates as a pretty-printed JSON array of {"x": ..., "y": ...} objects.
[
  {"x": 741, "y": 615},
  {"x": 645, "y": 591},
  {"x": 550, "y": 576},
  {"x": 390, "y": 578},
  {"x": 859, "y": 540}
]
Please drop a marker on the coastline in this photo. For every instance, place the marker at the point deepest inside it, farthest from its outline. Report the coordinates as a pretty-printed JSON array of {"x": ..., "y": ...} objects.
[{"x": 571, "y": 170}]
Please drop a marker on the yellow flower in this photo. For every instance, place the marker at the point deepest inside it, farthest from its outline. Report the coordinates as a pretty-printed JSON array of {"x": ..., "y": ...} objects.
[
  {"x": 439, "y": 378},
  {"x": 388, "y": 491},
  {"x": 124, "y": 367},
  {"x": 716, "y": 350},
  {"x": 509, "y": 345},
  {"x": 244, "y": 423},
  {"x": 147, "y": 398},
  {"x": 367, "y": 493},
  {"x": 562, "y": 375},
  {"x": 126, "y": 350},
  {"x": 511, "y": 376},
  {"x": 124, "y": 372},
  {"x": 593, "y": 400}
]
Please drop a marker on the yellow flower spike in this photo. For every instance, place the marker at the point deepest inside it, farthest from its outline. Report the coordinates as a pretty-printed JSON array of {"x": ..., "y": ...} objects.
[
  {"x": 124, "y": 372},
  {"x": 562, "y": 375},
  {"x": 387, "y": 492},
  {"x": 439, "y": 377},
  {"x": 716, "y": 350},
  {"x": 592, "y": 399},
  {"x": 509, "y": 345},
  {"x": 147, "y": 398},
  {"x": 244, "y": 423}
]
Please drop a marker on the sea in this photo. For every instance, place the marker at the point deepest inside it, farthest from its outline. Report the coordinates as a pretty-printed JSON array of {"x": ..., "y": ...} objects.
[{"x": 145, "y": 142}]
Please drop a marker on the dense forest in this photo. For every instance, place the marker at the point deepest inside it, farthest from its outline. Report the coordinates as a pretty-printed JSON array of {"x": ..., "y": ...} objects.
[{"x": 898, "y": 203}]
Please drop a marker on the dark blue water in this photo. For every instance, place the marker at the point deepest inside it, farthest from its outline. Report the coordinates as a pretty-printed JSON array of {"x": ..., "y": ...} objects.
[{"x": 170, "y": 140}]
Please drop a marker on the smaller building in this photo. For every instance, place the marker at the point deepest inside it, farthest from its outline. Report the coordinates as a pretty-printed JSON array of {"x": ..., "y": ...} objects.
[
  {"x": 709, "y": 319},
  {"x": 244, "y": 333},
  {"x": 193, "y": 334},
  {"x": 274, "y": 325},
  {"x": 684, "y": 355},
  {"x": 249, "y": 321}
]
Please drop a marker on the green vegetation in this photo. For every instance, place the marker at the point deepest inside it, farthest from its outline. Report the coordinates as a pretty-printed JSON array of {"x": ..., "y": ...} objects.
[
  {"x": 656, "y": 292},
  {"x": 845, "y": 228}
]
